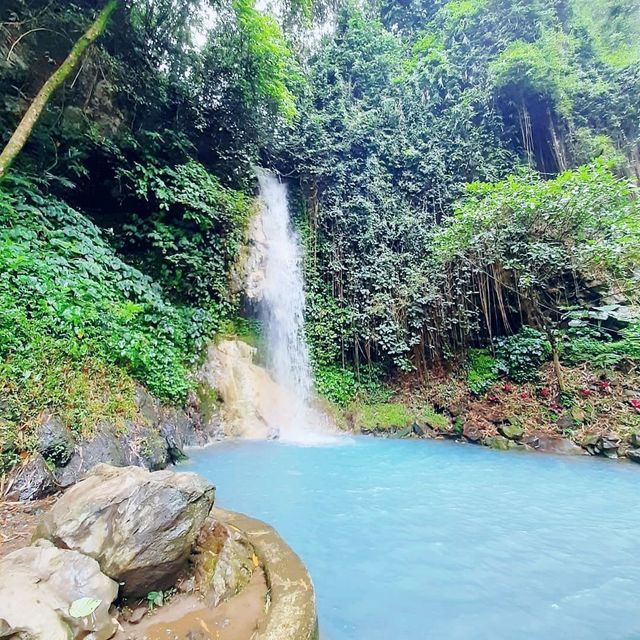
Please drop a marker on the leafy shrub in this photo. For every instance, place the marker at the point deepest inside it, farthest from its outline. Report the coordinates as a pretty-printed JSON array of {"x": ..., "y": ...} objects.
[
  {"x": 585, "y": 219},
  {"x": 341, "y": 385},
  {"x": 482, "y": 371},
  {"x": 77, "y": 323},
  {"x": 520, "y": 356},
  {"x": 337, "y": 384},
  {"x": 186, "y": 230},
  {"x": 593, "y": 345}
]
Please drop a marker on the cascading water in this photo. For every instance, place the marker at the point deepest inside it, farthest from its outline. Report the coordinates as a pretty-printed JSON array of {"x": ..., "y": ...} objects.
[
  {"x": 282, "y": 312},
  {"x": 282, "y": 305}
]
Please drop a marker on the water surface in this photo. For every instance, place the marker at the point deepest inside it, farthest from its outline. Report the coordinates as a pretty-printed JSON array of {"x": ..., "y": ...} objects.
[{"x": 417, "y": 540}]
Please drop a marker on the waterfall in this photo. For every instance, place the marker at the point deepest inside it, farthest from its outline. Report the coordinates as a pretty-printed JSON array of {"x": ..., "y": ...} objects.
[
  {"x": 281, "y": 309},
  {"x": 282, "y": 305}
]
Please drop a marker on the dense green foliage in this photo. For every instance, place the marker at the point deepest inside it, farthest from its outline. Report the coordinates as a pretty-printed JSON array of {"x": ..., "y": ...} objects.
[
  {"x": 383, "y": 416},
  {"x": 520, "y": 356},
  {"x": 482, "y": 371},
  {"x": 463, "y": 175},
  {"x": 115, "y": 260},
  {"x": 65, "y": 293},
  {"x": 597, "y": 348},
  {"x": 424, "y": 147}
]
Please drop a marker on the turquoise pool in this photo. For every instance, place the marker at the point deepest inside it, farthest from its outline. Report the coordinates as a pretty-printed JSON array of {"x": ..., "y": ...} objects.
[{"x": 417, "y": 540}]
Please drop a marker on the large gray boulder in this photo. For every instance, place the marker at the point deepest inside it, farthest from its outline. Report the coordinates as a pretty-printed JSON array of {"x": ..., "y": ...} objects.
[
  {"x": 38, "y": 588},
  {"x": 140, "y": 526}
]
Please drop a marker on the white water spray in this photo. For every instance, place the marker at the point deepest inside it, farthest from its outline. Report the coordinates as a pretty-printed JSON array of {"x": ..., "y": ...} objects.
[
  {"x": 282, "y": 311},
  {"x": 282, "y": 305}
]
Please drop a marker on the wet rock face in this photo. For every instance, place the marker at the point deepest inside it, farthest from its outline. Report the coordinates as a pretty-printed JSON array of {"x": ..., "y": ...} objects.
[
  {"x": 156, "y": 442},
  {"x": 39, "y": 585},
  {"x": 106, "y": 446},
  {"x": 634, "y": 455},
  {"x": 254, "y": 405},
  {"x": 30, "y": 480},
  {"x": 140, "y": 526}
]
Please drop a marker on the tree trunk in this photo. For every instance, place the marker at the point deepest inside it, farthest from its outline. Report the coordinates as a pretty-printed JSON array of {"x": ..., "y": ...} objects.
[{"x": 23, "y": 130}]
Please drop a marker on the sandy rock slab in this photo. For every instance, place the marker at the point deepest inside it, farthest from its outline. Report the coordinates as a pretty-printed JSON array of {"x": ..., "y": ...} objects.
[
  {"x": 140, "y": 526},
  {"x": 38, "y": 588}
]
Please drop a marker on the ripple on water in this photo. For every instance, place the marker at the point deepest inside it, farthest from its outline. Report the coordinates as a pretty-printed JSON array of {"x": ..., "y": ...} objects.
[{"x": 413, "y": 540}]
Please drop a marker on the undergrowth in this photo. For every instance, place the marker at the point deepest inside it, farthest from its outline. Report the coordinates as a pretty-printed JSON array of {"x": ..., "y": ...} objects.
[
  {"x": 343, "y": 385},
  {"x": 78, "y": 325},
  {"x": 384, "y": 415}
]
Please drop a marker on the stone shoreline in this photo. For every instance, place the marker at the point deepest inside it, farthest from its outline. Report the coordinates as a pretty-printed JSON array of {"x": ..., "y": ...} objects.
[
  {"x": 236, "y": 562},
  {"x": 507, "y": 439}
]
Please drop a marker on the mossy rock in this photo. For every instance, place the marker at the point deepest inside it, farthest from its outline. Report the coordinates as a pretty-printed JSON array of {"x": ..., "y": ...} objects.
[
  {"x": 499, "y": 442},
  {"x": 435, "y": 421},
  {"x": 384, "y": 416},
  {"x": 589, "y": 439},
  {"x": 578, "y": 415},
  {"x": 512, "y": 430}
]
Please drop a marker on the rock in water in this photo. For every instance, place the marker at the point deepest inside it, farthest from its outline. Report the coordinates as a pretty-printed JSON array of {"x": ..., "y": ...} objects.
[
  {"x": 511, "y": 430},
  {"x": 558, "y": 446},
  {"x": 38, "y": 586},
  {"x": 139, "y": 525}
]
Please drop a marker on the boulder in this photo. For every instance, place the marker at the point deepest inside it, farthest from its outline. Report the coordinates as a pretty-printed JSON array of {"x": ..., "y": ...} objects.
[
  {"x": 418, "y": 430},
  {"x": 472, "y": 432},
  {"x": 55, "y": 440},
  {"x": 404, "y": 432},
  {"x": 610, "y": 441},
  {"x": 610, "y": 444},
  {"x": 498, "y": 442},
  {"x": 633, "y": 455},
  {"x": 151, "y": 448},
  {"x": 38, "y": 588},
  {"x": 589, "y": 439},
  {"x": 559, "y": 446},
  {"x": 30, "y": 480},
  {"x": 513, "y": 431},
  {"x": 140, "y": 526}
]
